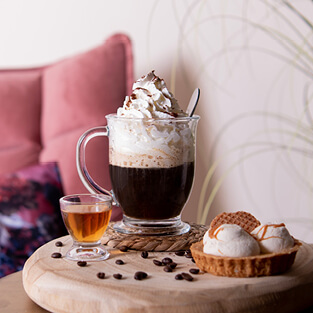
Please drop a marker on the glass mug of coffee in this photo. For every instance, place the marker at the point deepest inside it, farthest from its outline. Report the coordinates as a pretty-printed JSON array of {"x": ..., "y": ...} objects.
[
  {"x": 151, "y": 164},
  {"x": 86, "y": 218}
]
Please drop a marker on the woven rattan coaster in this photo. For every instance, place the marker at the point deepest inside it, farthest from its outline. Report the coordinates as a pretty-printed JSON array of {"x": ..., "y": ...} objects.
[{"x": 152, "y": 243}]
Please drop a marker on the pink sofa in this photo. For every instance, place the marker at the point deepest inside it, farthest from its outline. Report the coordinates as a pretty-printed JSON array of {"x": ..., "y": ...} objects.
[{"x": 43, "y": 112}]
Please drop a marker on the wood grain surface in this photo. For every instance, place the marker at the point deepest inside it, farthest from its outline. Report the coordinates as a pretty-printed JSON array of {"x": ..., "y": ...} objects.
[{"x": 60, "y": 285}]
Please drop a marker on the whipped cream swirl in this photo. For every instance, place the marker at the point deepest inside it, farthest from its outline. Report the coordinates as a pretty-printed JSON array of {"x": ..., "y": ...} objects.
[
  {"x": 150, "y": 99},
  {"x": 151, "y": 130}
]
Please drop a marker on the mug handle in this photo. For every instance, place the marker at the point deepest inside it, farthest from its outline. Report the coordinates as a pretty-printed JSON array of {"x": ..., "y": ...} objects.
[{"x": 83, "y": 173}]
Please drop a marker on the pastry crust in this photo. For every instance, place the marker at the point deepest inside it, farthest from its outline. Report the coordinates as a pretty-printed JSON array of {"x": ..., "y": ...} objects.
[{"x": 252, "y": 266}]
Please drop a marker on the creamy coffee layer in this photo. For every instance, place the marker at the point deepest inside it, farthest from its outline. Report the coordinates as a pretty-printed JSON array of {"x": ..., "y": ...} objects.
[{"x": 147, "y": 160}]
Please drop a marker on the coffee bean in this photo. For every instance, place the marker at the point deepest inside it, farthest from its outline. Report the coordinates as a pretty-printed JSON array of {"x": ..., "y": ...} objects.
[
  {"x": 187, "y": 276},
  {"x": 180, "y": 253},
  {"x": 117, "y": 276},
  {"x": 140, "y": 275},
  {"x": 172, "y": 265},
  {"x": 81, "y": 263},
  {"x": 119, "y": 262},
  {"x": 123, "y": 248},
  {"x": 59, "y": 244},
  {"x": 101, "y": 275},
  {"x": 144, "y": 254},
  {"x": 188, "y": 255},
  {"x": 167, "y": 261},
  {"x": 56, "y": 255},
  {"x": 157, "y": 262},
  {"x": 167, "y": 268},
  {"x": 179, "y": 277},
  {"x": 194, "y": 271}
]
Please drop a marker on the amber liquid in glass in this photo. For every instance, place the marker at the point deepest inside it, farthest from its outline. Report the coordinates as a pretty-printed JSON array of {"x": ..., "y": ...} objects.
[{"x": 86, "y": 223}]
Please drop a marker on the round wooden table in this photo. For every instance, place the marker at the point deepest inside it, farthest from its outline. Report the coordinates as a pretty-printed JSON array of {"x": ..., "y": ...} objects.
[
  {"x": 60, "y": 285},
  {"x": 13, "y": 297}
]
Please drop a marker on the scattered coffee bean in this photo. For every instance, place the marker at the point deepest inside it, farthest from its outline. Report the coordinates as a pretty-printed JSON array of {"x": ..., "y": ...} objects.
[
  {"x": 140, "y": 275},
  {"x": 81, "y": 263},
  {"x": 123, "y": 248},
  {"x": 172, "y": 265},
  {"x": 157, "y": 262},
  {"x": 187, "y": 276},
  {"x": 59, "y": 244},
  {"x": 56, "y": 255},
  {"x": 117, "y": 276},
  {"x": 194, "y": 271},
  {"x": 180, "y": 253},
  {"x": 101, "y": 275},
  {"x": 167, "y": 261},
  {"x": 188, "y": 255},
  {"x": 144, "y": 254},
  {"x": 179, "y": 277},
  {"x": 167, "y": 268},
  {"x": 119, "y": 262}
]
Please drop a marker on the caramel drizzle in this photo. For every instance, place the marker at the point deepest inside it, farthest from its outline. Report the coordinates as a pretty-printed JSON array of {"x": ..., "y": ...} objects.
[
  {"x": 264, "y": 229},
  {"x": 216, "y": 232}
]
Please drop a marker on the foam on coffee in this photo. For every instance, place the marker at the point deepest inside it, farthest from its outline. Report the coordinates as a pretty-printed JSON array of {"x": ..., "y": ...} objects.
[{"x": 136, "y": 145}]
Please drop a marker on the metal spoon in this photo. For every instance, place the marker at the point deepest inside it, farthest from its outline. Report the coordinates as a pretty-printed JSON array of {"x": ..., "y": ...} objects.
[{"x": 193, "y": 102}]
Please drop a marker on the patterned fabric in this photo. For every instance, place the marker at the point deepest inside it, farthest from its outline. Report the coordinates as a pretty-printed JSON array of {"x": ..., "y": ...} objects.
[{"x": 29, "y": 213}]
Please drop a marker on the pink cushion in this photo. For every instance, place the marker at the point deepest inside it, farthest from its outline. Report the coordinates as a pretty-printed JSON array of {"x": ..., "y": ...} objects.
[
  {"x": 20, "y": 103},
  {"x": 29, "y": 213}
]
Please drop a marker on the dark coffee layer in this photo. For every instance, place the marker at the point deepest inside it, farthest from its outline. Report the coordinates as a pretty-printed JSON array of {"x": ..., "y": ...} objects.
[{"x": 152, "y": 193}]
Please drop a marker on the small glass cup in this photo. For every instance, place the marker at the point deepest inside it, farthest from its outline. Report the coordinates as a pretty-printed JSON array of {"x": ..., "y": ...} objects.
[{"x": 86, "y": 218}]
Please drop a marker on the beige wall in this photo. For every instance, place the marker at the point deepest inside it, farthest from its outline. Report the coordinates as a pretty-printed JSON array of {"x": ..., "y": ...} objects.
[{"x": 250, "y": 61}]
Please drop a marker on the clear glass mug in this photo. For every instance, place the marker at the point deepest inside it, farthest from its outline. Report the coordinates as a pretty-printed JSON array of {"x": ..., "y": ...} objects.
[{"x": 151, "y": 164}]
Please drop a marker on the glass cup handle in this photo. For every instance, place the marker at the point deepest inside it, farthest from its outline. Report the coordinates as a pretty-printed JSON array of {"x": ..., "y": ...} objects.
[{"x": 83, "y": 173}]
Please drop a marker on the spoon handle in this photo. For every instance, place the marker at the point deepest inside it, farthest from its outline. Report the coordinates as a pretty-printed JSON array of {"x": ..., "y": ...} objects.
[{"x": 193, "y": 102}]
